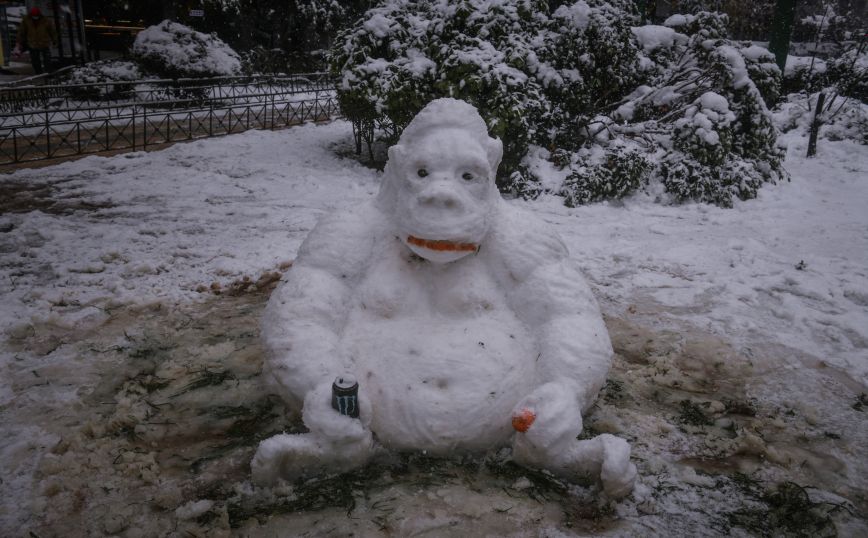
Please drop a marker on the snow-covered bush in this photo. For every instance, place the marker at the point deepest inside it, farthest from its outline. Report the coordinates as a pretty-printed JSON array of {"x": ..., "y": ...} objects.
[
  {"x": 106, "y": 79},
  {"x": 280, "y": 36},
  {"x": 584, "y": 81},
  {"x": 612, "y": 173},
  {"x": 266, "y": 60},
  {"x": 803, "y": 74},
  {"x": 522, "y": 183},
  {"x": 825, "y": 25},
  {"x": 697, "y": 6},
  {"x": 406, "y": 53},
  {"x": 705, "y": 130},
  {"x": 724, "y": 143},
  {"x": 702, "y": 169},
  {"x": 830, "y": 45},
  {"x": 849, "y": 123},
  {"x": 585, "y": 57},
  {"x": 688, "y": 179},
  {"x": 763, "y": 71},
  {"x": 172, "y": 50},
  {"x": 832, "y": 96},
  {"x": 703, "y": 24},
  {"x": 105, "y": 71},
  {"x": 849, "y": 73},
  {"x": 534, "y": 78}
]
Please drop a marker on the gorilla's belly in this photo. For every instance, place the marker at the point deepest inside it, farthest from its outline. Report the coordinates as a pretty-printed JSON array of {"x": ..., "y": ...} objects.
[{"x": 442, "y": 384}]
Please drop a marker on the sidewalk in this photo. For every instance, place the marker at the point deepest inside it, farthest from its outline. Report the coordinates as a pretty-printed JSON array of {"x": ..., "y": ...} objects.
[{"x": 15, "y": 70}]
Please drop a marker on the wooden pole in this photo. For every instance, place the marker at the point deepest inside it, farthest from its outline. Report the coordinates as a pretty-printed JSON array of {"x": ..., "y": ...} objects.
[{"x": 815, "y": 125}]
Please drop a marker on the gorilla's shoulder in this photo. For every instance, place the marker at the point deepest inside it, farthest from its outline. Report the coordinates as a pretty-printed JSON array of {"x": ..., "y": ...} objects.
[
  {"x": 522, "y": 241},
  {"x": 343, "y": 240}
]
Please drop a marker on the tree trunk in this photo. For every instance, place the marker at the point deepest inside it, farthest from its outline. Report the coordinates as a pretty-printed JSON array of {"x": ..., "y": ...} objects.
[
  {"x": 782, "y": 29},
  {"x": 815, "y": 125}
]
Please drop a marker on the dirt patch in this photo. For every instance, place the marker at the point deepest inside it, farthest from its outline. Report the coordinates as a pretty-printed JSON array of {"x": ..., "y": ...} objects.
[
  {"x": 767, "y": 416},
  {"x": 152, "y": 415},
  {"x": 22, "y": 197}
]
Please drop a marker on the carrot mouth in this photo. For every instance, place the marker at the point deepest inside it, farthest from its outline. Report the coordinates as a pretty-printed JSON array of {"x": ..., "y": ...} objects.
[{"x": 441, "y": 245}]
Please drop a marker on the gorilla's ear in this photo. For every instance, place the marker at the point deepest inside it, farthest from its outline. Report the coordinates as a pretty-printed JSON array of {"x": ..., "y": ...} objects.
[
  {"x": 494, "y": 147},
  {"x": 396, "y": 154}
]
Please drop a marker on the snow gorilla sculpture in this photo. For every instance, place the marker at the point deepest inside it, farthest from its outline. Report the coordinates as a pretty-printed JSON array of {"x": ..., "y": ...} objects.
[{"x": 460, "y": 315}]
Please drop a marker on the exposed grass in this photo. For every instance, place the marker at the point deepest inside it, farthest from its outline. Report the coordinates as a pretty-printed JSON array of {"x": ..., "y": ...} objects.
[
  {"x": 745, "y": 408},
  {"x": 205, "y": 379},
  {"x": 787, "y": 511},
  {"x": 342, "y": 491},
  {"x": 613, "y": 390},
  {"x": 861, "y": 402},
  {"x": 248, "y": 426},
  {"x": 691, "y": 413}
]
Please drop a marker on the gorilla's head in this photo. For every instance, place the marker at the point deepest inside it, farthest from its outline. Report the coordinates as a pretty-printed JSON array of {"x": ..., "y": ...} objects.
[{"x": 438, "y": 184}]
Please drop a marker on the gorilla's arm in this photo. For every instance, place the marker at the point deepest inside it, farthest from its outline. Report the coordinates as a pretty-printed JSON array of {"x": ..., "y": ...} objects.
[
  {"x": 573, "y": 342},
  {"x": 301, "y": 331},
  {"x": 551, "y": 296},
  {"x": 553, "y": 299},
  {"x": 304, "y": 314}
]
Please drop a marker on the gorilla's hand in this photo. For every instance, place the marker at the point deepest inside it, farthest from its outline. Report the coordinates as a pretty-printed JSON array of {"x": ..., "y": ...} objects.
[
  {"x": 321, "y": 418},
  {"x": 548, "y": 418},
  {"x": 551, "y": 419},
  {"x": 336, "y": 443}
]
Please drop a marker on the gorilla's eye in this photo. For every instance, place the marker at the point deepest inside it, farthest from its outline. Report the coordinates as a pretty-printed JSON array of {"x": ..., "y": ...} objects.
[
  {"x": 422, "y": 172},
  {"x": 467, "y": 176}
]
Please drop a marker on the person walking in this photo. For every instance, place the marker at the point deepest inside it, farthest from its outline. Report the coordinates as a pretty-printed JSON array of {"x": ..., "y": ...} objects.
[{"x": 37, "y": 35}]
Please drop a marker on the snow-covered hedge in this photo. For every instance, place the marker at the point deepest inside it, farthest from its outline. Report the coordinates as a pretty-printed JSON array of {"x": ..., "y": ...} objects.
[
  {"x": 615, "y": 103},
  {"x": 112, "y": 78},
  {"x": 171, "y": 50}
]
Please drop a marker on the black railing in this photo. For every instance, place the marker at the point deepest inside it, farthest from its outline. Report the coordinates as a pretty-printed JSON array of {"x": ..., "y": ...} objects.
[
  {"x": 172, "y": 111},
  {"x": 18, "y": 99}
]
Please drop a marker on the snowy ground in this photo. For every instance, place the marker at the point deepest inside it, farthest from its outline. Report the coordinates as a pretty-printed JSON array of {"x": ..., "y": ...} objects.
[{"x": 129, "y": 393}]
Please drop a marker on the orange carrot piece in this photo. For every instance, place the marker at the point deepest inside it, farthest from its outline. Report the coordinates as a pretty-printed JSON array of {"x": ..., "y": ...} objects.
[{"x": 442, "y": 245}]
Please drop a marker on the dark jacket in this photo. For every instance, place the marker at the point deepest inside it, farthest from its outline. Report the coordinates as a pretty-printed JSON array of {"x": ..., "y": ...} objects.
[{"x": 38, "y": 34}]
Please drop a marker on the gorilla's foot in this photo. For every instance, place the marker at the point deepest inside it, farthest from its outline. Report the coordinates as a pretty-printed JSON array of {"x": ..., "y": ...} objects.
[
  {"x": 605, "y": 459},
  {"x": 617, "y": 474},
  {"x": 293, "y": 456}
]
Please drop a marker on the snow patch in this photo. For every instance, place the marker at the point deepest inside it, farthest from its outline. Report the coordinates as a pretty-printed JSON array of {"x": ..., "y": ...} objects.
[
  {"x": 803, "y": 63},
  {"x": 653, "y": 37},
  {"x": 193, "y": 509}
]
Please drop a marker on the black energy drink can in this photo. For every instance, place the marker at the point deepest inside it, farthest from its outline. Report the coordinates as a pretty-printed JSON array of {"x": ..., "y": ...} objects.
[{"x": 345, "y": 395}]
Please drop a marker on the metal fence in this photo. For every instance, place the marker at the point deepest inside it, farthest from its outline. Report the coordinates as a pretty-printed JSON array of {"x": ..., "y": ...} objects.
[{"x": 48, "y": 122}]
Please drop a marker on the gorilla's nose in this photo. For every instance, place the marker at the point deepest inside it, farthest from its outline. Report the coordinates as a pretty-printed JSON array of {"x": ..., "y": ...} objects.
[{"x": 442, "y": 197}]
